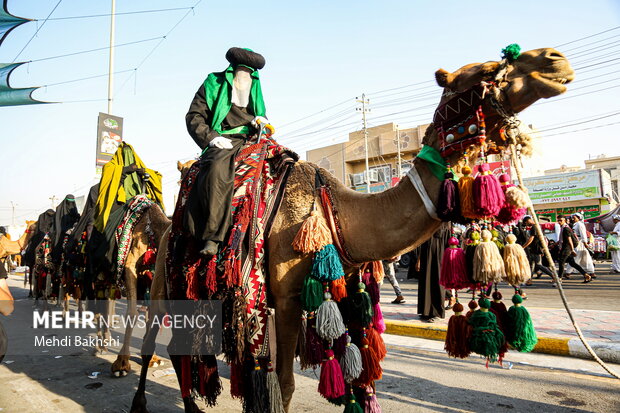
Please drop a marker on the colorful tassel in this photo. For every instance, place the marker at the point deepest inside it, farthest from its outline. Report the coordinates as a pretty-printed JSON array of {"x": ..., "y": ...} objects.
[
  {"x": 371, "y": 370},
  {"x": 311, "y": 293},
  {"x": 520, "y": 329},
  {"x": 329, "y": 324},
  {"x": 517, "y": 196},
  {"x": 488, "y": 194},
  {"x": 338, "y": 289},
  {"x": 361, "y": 306},
  {"x": 488, "y": 263},
  {"x": 372, "y": 288},
  {"x": 486, "y": 338},
  {"x": 375, "y": 341},
  {"x": 331, "y": 382},
  {"x": 275, "y": 394},
  {"x": 259, "y": 388},
  {"x": 352, "y": 405},
  {"x": 149, "y": 257},
  {"x": 377, "y": 319},
  {"x": 466, "y": 194},
  {"x": 509, "y": 212},
  {"x": 448, "y": 205},
  {"x": 470, "y": 253},
  {"x": 314, "y": 344},
  {"x": 499, "y": 309},
  {"x": 377, "y": 271},
  {"x": 313, "y": 235},
  {"x": 517, "y": 265},
  {"x": 326, "y": 265},
  {"x": 301, "y": 343},
  {"x": 457, "y": 336},
  {"x": 351, "y": 361},
  {"x": 453, "y": 269},
  {"x": 371, "y": 405}
]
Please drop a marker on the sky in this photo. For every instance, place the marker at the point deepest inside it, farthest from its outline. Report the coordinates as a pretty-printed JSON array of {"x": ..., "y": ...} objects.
[{"x": 320, "y": 55}]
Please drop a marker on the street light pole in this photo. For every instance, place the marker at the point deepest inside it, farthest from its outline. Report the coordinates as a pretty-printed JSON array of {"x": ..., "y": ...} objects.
[
  {"x": 398, "y": 159},
  {"x": 111, "y": 66},
  {"x": 13, "y": 205},
  {"x": 364, "y": 102}
]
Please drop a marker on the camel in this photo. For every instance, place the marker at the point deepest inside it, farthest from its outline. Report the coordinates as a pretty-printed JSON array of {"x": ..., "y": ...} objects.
[
  {"x": 8, "y": 247},
  {"x": 404, "y": 221}
]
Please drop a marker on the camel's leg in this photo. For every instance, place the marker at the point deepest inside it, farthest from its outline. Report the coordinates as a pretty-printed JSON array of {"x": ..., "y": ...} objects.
[
  {"x": 148, "y": 349},
  {"x": 121, "y": 365},
  {"x": 288, "y": 318}
]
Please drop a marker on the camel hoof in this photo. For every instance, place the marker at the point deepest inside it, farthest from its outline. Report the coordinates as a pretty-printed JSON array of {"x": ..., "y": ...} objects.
[
  {"x": 117, "y": 374},
  {"x": 123, "y": 373},
  {"x": 138, "y": 405}
]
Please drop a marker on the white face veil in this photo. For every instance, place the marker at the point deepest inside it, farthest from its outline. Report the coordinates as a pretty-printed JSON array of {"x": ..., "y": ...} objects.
[{"x": 242, "y": 83}]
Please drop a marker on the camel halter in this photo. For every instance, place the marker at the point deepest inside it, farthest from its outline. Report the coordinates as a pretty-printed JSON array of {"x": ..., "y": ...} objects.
[{"x": 414, "y": 177}]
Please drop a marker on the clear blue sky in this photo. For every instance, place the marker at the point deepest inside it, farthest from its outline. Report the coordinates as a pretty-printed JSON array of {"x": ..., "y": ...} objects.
[{"x": 319, "y": 54}]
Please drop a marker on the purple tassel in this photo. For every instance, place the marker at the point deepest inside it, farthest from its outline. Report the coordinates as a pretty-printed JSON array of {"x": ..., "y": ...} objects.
[
  {"x": 488, "y": 195},
  {"x": 340, "y": 345},
  {"x": 448, "y": 206},
  {"x": 371, "y": 405},
  {"x": 453, "y": 270},
  {"x": 377, "y": 319},
  {"x": 372, "y": 288},
  {"x": 314, "y": 344}
]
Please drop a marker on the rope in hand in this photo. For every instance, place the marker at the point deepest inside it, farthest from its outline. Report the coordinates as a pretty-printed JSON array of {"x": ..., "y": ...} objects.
[{"x": 541, "y": 238}]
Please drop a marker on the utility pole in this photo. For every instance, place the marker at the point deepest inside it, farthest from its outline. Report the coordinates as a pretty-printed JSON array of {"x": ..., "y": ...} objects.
[
  {"x": 53, "y": 199},
  {"x": 364, "y": 110},
  {"x": 398, "y": 158},
  {"x": 111, "y": 66},
  {"x": 13, "y": 205}
]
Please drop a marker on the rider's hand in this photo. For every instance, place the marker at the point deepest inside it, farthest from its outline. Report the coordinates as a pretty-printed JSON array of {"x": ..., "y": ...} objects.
[
  {"x": 259, "y": 120},
  {"x": 221, "y": 142}
]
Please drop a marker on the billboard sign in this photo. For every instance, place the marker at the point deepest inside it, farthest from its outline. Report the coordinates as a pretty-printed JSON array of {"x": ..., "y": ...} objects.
[
  {"x": 109, "y": 137},
  {"x": 573, "y": 186}
]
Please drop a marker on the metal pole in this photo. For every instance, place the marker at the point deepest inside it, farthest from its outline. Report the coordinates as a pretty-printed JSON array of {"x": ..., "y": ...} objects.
[
  {"x": 111, "y": 67},
  {"x": 13, "y": 213},
  {"x": 367, "y": 172}
]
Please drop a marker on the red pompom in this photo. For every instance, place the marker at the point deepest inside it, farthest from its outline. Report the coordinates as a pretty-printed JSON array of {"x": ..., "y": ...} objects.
[
  {"x": 453, "y": 270},
  {"x": 488, "y": 195},
  {"x": 331, "y": 382}
]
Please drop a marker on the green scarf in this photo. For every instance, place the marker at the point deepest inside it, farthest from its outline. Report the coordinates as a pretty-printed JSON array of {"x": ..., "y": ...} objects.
[
  {"x": 436, "y": 163},
  {"x": 218, "y": 87}
]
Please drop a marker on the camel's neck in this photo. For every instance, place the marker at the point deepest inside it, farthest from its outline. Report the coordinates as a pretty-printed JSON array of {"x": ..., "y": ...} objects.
[{"x": 386, "y": 224}]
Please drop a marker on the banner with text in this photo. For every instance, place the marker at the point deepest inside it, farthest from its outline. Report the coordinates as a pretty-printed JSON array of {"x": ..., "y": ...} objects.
[
  {"x": 109, "y": 137},
  {"x": 573, "y": 186}
]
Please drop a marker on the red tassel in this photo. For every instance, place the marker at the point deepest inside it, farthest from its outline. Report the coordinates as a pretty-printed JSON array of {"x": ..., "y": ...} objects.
[
  {"x": 193, "y": 288},
  {"x": 186, "y": 376},
  {"x": 331, "y": 382},
  {"x": 501, "y": 314},
  {"x": 473, "y": 305},
  {"x": 211, "y": 276},
  {"x": 314, "y": 344},
  {"x": 338, "y": 288},
  {"x": 371, "y": 368},
  {"x": 488, "y": 194},
  {"x": 509, "y": 213},
  {"x": 457, "y": 336},
  {"x": 453, "y": 270},
  {"x": 375, "y": 341},
  {"x": 149, "y": 256},
  {"x": 372, "y": 287},
  {"x": 236, "y": 380}
]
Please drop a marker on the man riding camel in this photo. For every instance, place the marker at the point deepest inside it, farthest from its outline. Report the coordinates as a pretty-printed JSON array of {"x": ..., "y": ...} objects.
[{"x": 226, "y": 112}]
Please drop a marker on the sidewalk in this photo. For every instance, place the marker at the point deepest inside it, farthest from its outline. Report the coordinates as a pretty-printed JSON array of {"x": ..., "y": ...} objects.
[{"x": 601, "y": 328}]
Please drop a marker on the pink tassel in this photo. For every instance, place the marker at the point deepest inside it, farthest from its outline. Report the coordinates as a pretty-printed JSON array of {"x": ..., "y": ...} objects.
[
  {"x": 377, "y": 319},
  {"x": 371, "y": 405},
  {"x": 488, "y": 194},
  {"x": 453, "y": 273},
  {"x": 509, "y": 213},
  {"x": 331, "y": 382}
]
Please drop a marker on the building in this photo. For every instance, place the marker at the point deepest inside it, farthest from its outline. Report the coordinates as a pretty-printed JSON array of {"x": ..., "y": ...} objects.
[
  {"x": 585, "y": 191},
  {"x": 347, "y": 160},
  {"x": 612, "y": 166}
]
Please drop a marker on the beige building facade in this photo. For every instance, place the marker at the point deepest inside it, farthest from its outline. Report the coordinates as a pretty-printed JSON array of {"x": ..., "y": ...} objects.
[{"x": 347, "y": 160}]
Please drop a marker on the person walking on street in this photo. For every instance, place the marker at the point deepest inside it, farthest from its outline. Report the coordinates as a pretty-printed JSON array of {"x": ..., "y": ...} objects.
[
  {"x": 583, "y": 257},
  {"x": 390, "y": 274},
  {"x": 568, "y": 241},
  {"x": 615, "y": 254},
  {"x": 533, "y": 249}
]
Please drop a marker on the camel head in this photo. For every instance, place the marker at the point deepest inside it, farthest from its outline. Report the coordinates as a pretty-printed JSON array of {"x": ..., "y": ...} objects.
[
  {"x": 184, "y": 167},
  {"x": 507, "y": 87}
]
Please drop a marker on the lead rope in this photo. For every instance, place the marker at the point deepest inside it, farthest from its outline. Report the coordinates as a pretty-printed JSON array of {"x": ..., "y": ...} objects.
[{"x": 541, "y": 238}]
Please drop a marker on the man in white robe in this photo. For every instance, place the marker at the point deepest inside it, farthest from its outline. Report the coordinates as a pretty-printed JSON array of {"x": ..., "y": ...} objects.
[{"x": 615, "y": 254}]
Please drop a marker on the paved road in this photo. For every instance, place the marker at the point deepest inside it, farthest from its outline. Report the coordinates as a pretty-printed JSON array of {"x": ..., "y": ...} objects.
[{"x": 416, "y": 379}]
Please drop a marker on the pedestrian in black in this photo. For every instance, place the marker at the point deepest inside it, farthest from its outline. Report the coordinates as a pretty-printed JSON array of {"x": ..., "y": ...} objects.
[{"x": 568, "y": 242}]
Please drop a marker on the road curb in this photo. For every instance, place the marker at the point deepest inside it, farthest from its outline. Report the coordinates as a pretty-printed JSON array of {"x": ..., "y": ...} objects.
[{"x": 571, "y": 347}]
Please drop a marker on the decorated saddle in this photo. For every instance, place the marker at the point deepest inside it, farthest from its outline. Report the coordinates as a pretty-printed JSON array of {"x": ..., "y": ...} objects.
[{"x": 237, "y": 275}]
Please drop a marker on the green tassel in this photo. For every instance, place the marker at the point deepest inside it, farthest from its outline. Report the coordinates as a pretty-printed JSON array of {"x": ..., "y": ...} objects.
[
  {"x": 311, "y": 294},
  {"x": 497, "y": 241},
  {"x": 361, "y": 306},
  {"x": 511, "y": 52},
  {"x": 486, "y": 338},
  {"x": 353, "y": 406},
  {"x": 521, "y": 333},
  {"x": 326, "y": 265}
]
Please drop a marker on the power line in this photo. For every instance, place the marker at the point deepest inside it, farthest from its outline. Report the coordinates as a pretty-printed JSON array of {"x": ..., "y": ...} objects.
[
  {"x": 588, "y": 44},
  {"x": 587, "y": 37},
  {"x": 584, "y": 129},
  {"x": 116, "y": 14},
  {"x": 577, "y": 123},
  {"x": 86, "y": 78},
  {"x": 37, "y": 31}
]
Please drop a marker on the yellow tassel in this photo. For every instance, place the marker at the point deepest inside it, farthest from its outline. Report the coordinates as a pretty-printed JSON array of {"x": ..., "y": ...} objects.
[
  {"x": 313, "y": 234},
  {"x": 517, "y": 265},
  {"x": 466, "y": 193}
]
